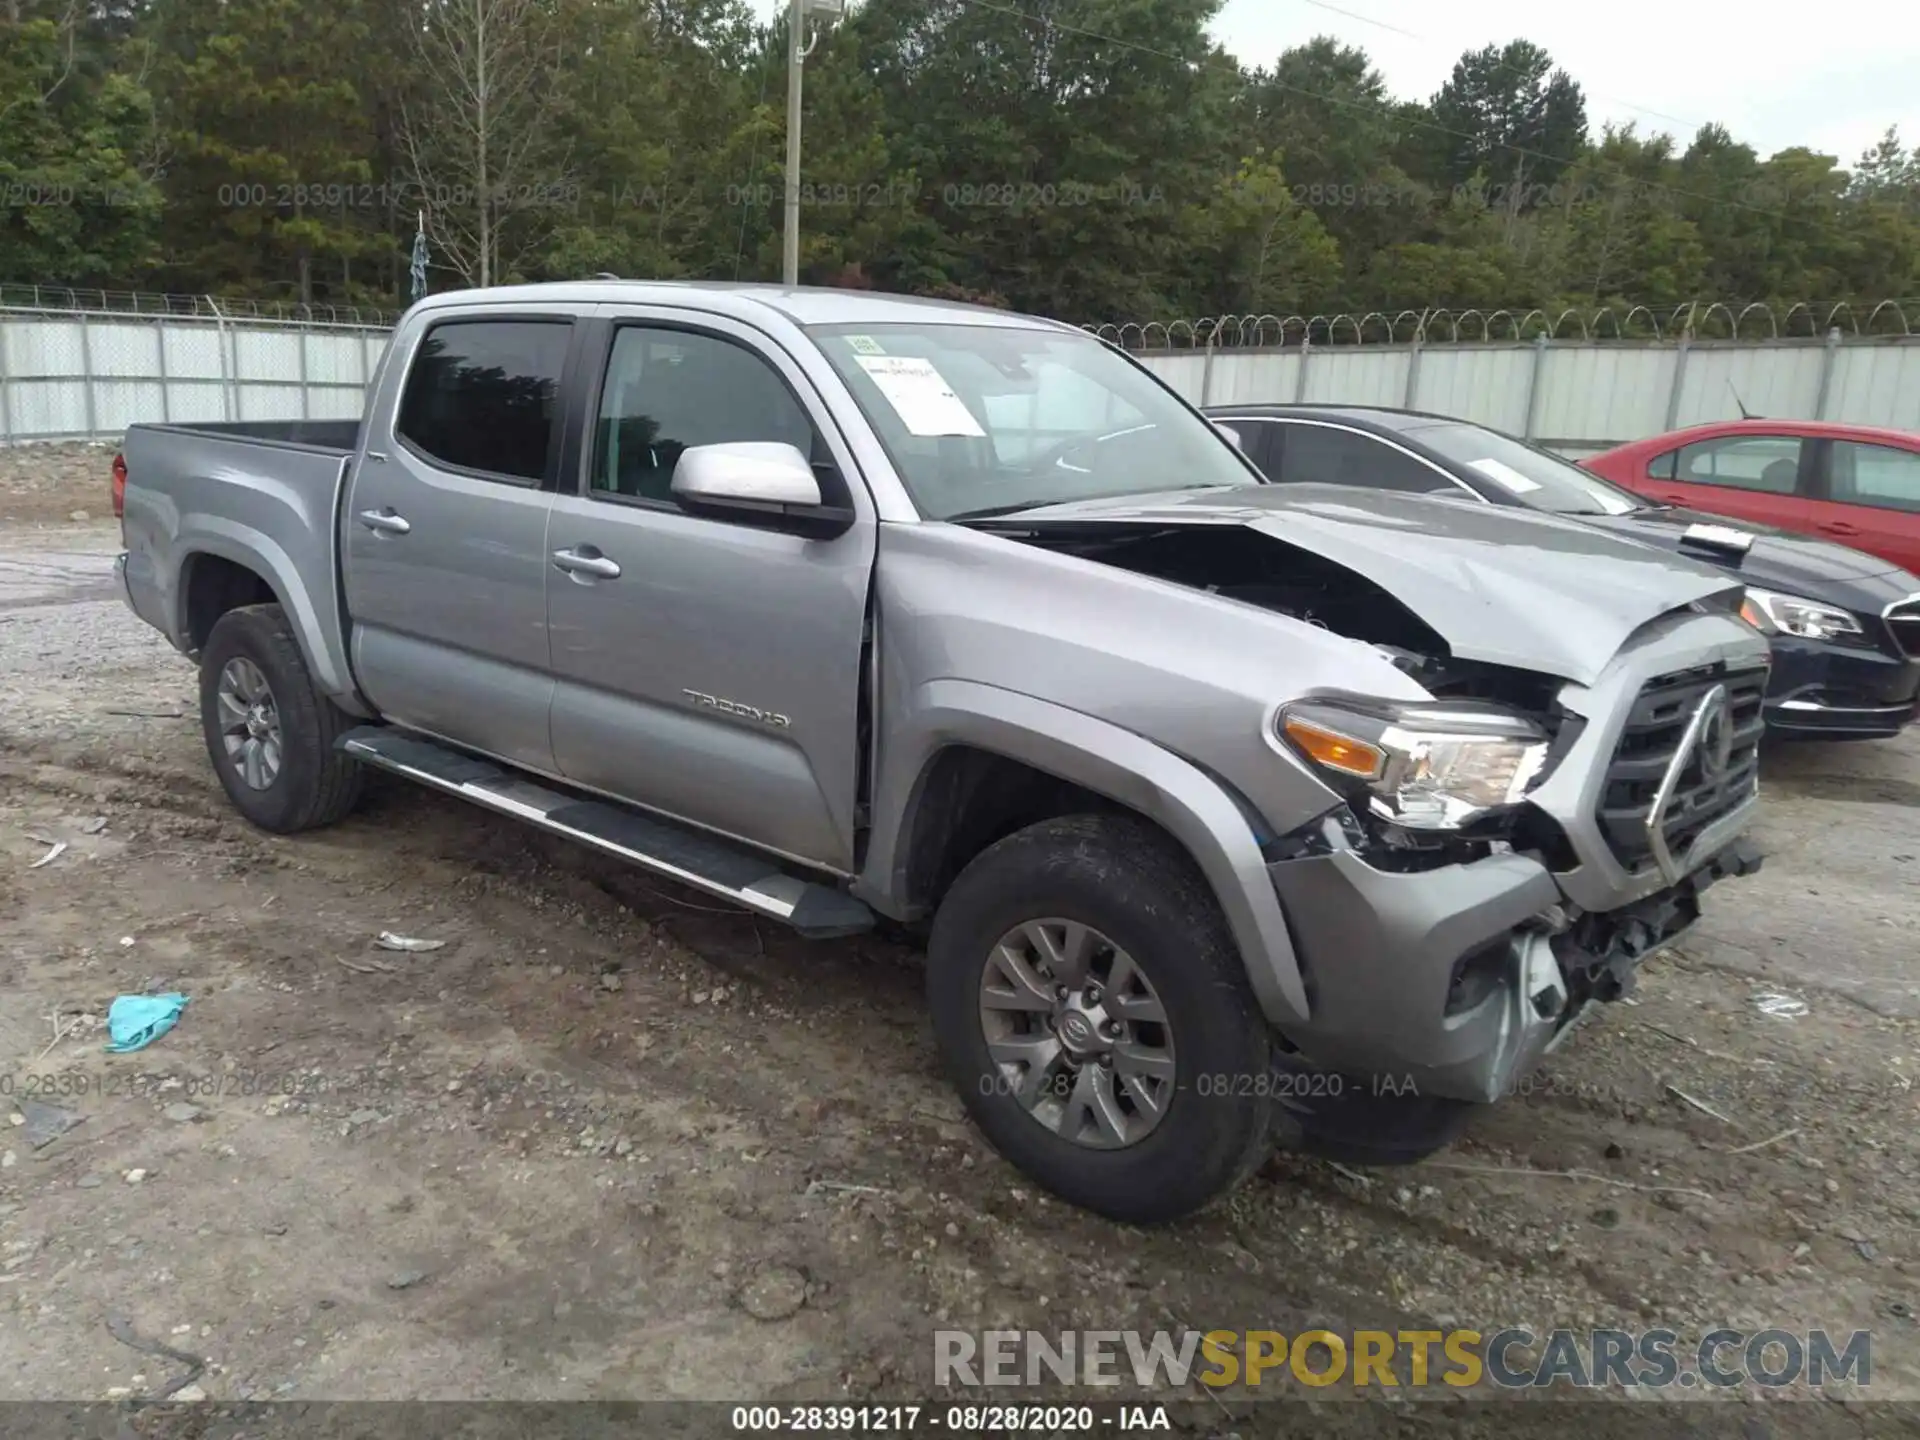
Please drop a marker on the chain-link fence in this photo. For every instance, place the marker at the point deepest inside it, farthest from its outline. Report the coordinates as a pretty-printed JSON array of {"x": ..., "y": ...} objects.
[
  {"x": 147, "y": 302},
  {"x": 86, "y": 364},
  {"x": 1440, "y": 325}
]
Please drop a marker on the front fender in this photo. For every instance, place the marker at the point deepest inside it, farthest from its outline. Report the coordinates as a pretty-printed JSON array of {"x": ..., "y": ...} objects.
[{"x": 1132, "y": 771}]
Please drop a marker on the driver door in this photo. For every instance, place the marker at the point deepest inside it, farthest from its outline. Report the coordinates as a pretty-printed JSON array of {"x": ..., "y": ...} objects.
[{"x": 707, "y": 668}]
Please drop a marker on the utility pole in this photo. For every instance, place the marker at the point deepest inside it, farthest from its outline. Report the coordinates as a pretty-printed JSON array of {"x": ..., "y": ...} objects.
[
  {"x": 797, "y": 52},
  {"x": 796, "y": 57}
]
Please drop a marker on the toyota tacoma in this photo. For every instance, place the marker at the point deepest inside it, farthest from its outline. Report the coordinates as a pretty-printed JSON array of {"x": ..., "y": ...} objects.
[{"x": 1234, "y": 815}]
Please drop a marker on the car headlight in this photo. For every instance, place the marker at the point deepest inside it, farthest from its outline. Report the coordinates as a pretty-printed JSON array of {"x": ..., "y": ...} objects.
[
  {"x": 1425, "y": 765},
  {"x": 1773, "y": 614}
]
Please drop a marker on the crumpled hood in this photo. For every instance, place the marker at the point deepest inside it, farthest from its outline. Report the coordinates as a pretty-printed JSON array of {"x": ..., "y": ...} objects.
[{"x": 1504, "y": 586}]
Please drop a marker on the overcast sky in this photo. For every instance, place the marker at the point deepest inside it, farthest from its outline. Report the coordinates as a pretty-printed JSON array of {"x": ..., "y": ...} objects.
[{"x": 1831, "y": 77}]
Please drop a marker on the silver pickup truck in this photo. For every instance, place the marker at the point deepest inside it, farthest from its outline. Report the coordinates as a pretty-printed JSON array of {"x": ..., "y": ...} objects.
[{"x": 1237, "y": 815}]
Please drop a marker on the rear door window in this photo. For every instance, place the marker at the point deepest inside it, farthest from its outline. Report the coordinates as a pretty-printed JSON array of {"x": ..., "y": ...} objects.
[
  {"x": 1881, "y": 476},
  {"x": 1253, "y": 437},
  {"x": 1767, "y": 464},
  {"x": 1322, "y": 455},
  {"x": 483, "y": 396}
]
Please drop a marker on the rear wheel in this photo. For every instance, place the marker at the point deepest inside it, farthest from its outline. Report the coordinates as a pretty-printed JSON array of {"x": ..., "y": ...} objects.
[
  {"x": 1094, "y": 1014},
  {"x": 269, "y": 733}
]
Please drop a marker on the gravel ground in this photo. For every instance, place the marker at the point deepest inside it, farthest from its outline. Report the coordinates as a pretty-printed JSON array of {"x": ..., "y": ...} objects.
[{"x": 612, "y": 1141}]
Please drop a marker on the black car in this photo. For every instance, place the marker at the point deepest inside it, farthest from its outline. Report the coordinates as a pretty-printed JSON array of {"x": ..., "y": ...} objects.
[{"x": 1840, "y": 669}]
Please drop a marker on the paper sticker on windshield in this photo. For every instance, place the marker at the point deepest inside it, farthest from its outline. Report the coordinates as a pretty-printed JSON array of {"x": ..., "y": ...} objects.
[
  {"x": 920, "y": 396},
  {"x": 1505, "y": 475},
  {"x": 865, "y": 345}
]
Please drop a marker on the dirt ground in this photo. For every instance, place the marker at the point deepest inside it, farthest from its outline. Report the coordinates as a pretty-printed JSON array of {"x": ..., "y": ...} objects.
[{"x": 614, "y": 1142}]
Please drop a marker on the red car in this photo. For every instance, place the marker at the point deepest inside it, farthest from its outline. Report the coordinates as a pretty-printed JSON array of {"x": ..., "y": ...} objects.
[{"x": 1851, "y": 483}]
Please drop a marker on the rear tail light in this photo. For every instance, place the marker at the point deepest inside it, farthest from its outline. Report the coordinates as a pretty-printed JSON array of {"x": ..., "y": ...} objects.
[{"x": 119, "y": 487}]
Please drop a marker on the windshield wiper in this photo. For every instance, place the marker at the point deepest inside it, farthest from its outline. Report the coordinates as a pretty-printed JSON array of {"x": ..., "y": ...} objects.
[{"x": 990, "y": 512}]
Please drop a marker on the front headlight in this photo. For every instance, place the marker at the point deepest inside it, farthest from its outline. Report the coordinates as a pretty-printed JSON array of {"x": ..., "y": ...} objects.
[
  {"x": 1426, "y": 765},
  {"x": 1773, "y": 613}
]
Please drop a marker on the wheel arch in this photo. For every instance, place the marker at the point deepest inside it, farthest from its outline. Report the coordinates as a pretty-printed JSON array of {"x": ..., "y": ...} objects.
[
  {"x": 957, "y": 726},
  {"x": 225, "y": 566}
]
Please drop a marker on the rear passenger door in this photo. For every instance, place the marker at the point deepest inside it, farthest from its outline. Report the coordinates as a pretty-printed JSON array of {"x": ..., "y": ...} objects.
[
  {"x": 1748, "y": 475},
  {"x": 1872, "y": 500},
  {"x": 712, "y": 669},
  {"x": 444, "y": 539}
]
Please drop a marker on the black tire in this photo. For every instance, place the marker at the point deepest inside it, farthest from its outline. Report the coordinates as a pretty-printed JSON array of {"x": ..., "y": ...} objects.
[
  {"x": 1341, "y": 1118},
  {"x": 1129, "y": 881},
  {"x": 316, "y": 785}
]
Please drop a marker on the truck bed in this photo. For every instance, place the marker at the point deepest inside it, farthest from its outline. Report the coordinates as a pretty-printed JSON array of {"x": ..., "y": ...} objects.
[
  {"x": 262, "y": 495},
  {"x": 342, "y": 436}
]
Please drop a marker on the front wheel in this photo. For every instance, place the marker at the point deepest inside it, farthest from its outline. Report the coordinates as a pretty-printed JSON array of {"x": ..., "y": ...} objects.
[
  {"x": 1093, "y": 1012},
  {"x": 269, "y": 733},
  {"x": 1357, "y": 1121}
]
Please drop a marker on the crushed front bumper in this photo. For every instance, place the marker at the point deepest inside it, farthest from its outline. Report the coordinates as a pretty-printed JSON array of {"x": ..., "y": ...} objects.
[{"x": 1455, "y": 980}]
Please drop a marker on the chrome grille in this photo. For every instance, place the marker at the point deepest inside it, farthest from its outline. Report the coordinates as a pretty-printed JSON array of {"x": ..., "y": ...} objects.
[
  {"x": 1904, "y": 621},
  {"x": 1654, "y": 730}
]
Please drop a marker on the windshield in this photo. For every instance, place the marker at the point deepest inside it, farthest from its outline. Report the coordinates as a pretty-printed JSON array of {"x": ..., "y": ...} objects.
[
  {"x": 1532, "y": 476},
  {"x": 985, "y": 419}
]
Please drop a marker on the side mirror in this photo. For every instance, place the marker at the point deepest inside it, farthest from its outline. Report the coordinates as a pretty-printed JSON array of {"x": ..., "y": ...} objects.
[
  {"x": 752, "y": 479},
  {"x": 1231, "y": 436}
]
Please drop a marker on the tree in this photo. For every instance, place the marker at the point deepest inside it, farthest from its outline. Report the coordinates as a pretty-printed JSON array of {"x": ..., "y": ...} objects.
[
  {"x": 482, "y": 146},
  {"x": 79, "y": 204},
  {"x": 1511, "y": 119},
  {"x": 1260, "y": 251},
  {"x": 1326, "y": 110},
  {"x": 269, "y": 150},
  {"x": 1088, "y": 159}
]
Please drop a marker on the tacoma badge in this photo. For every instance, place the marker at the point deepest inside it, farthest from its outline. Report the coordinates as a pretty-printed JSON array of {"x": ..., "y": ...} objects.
[{"x": 734, "y": 707}]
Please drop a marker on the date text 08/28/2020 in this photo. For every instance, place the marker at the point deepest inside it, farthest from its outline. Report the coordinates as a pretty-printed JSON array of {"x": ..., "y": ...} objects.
[{"x": 946, "y": 1419}]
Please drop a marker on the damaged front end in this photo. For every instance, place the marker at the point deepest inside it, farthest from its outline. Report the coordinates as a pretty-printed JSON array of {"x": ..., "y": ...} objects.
[
  {"x": 1508, "y": 851},
  {"x": 1454, "y": 958}
]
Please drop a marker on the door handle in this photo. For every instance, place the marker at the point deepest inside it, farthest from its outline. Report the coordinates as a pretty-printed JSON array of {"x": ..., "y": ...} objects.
[
  {"x": 385, "y": 521},
  {"x": 1840, "y": 527},
  {"x": 580, "y": 562}
]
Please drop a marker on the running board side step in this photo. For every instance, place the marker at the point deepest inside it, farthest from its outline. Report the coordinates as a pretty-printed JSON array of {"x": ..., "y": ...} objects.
[{"x": 677, "y": 852}]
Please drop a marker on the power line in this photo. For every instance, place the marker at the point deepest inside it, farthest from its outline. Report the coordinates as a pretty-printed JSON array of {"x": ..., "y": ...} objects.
[
  {"x": 1351, "y": 104},
  {"x": 1428, "y": 40}
]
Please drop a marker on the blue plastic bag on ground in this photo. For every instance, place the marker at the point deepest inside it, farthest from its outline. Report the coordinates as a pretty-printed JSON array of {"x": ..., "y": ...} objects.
[{"x": 136, "y": 1021}]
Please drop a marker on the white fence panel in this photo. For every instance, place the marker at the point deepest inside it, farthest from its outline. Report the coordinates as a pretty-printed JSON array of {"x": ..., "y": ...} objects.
[
  {"x": 1259, "y": 378},
  {"x": 1185, "y": 373},
  {"x": 1781, "y": 379},
  {"x": 1595, "y": 396},
  {"x": 336, "y": 360},
  {"x": 85, "y": 375},
  {"x": 1369, "y": 375},
  {"x": 1575, "y": 396},
  {"x": 1486, "y": 384},
  {"x": 67, "y": 375},
  {"x": 1876, "y": 385}
]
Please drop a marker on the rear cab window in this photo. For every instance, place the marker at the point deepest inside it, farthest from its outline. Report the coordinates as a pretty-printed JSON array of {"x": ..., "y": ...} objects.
[{"x": 483, "y": 397}]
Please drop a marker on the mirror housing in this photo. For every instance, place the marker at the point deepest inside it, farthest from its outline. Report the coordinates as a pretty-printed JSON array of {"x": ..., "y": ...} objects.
[
  {"x": 753, "y": 479},
  {"x": 1230, "y": 435}
]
